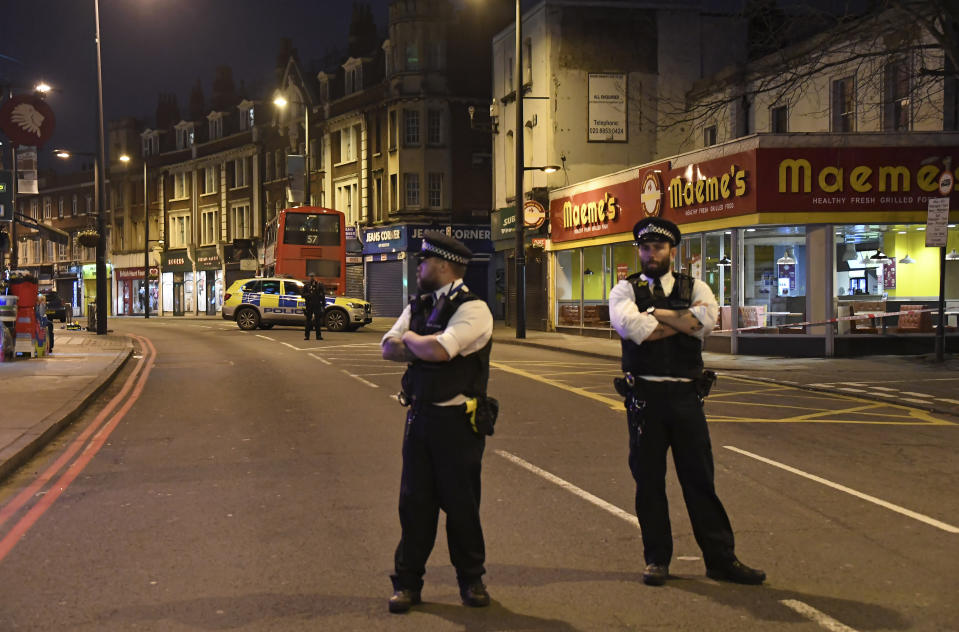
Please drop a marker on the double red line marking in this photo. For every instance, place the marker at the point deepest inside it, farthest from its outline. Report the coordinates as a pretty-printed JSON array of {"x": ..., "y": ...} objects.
[{"x": 97, "y": 433}]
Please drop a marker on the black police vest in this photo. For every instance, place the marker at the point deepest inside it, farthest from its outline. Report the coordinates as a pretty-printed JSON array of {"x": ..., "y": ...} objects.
[
  {"x": 679, "y": 355},
  {"x": 430, "y": 382}
]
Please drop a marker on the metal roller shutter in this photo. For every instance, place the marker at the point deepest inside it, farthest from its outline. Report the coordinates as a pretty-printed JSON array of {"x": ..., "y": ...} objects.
[
  {"x": 354, "y": 280},
  {"x": 385, "y": 285}
]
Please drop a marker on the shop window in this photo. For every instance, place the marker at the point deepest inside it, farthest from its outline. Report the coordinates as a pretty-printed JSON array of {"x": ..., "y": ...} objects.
[
  {"x": 774, "y": 276},
  {"x": 569, "y": 288},
  {"x": 716, "y": 270}
]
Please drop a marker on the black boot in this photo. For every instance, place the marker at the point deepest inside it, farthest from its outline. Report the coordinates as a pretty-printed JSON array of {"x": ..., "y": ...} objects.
[{"x": 403, "y": 599}]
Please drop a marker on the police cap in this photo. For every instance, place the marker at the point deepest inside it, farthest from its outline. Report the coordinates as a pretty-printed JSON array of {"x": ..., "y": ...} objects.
[
  {"x": 656, "y": 229},
  {"x": 437, "y": 244}
]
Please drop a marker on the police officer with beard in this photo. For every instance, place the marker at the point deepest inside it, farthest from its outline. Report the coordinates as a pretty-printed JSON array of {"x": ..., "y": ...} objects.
[
  {"x": 445, "y": 336},
  {"x": 663, "y": 319}
]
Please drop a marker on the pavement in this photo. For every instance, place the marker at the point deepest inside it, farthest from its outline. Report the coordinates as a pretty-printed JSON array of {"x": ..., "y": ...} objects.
[{"x": 41, "y": 396}]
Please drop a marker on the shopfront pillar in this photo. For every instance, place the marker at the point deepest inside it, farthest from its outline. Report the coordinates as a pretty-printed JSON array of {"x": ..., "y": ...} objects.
[{"x": 820, "y": 253}]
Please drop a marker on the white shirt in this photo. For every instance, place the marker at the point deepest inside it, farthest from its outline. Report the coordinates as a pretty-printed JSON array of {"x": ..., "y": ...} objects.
[
  {"x": 630, "y": 323},
  {"x": 468, "y": 331}
]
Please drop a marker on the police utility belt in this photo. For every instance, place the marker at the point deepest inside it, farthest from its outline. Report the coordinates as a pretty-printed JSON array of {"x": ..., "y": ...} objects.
[
  {"x": 481, "y": 410},
  {"x": 636, "y": 388}
]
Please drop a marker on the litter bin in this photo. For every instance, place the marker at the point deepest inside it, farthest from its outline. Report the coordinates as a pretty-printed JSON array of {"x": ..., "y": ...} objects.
[{"x": 91, "y": 316}]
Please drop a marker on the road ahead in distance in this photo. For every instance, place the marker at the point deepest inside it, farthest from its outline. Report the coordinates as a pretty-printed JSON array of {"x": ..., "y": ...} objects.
[{"x": 249, "y": 481}]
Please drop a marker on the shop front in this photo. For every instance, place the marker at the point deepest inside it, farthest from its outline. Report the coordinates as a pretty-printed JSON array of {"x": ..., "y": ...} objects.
[
  {"x": 89, "y": 294},
  {"x": 789, "y": 238},
  {"x": 177, "y": 282},
  {"x": 209, "y": 280},
  {"x": 390, "y": 262},
  {"x": 503, "y": 264},
  {"x": 132, "y": 292}
]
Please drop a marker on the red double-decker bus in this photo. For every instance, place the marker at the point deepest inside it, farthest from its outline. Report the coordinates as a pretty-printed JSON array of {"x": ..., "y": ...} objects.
[{"x": 306, "y": 240}]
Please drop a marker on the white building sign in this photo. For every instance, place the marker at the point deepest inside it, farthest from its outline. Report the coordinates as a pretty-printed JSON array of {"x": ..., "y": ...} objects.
[{"x": 607, "y": 108}]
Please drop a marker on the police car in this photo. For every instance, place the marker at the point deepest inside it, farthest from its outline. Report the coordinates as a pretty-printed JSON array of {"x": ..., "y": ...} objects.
[{"x": 264, "y": 302}]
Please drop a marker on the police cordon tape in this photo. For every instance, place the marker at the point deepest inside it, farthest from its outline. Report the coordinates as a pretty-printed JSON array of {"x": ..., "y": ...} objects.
[{"x": 866, "y": 316}]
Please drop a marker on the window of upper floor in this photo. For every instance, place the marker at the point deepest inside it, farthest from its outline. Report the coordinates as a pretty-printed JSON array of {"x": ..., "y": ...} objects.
[
  {"x": 209, "y": 180},
  {"x": 411, "y": 125},
  {"x": 185, "y": 135},
  {"x": 412, "y": 57},
  {"x": 778, "y": 119},
  {"x": 842, "y": 107},
  {"x": 353, "y": 75},
  {"x": 709, "y": 136},
  {"x": 392, "y": 131},
  {"x": 181, "y": 186},
  {"x": 247, "y": 115},
  {"x": 215, "y": 121},
  {"x": 150, "y": 144},
  {"x": 434, "y": 127},
  {"x": 239, "y": 172},
  {"x": 897, "y": 88}
]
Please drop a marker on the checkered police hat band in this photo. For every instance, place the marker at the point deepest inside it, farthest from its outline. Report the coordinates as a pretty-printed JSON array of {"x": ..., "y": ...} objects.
[
  {"x": 443, "y": 252},
  {"x": 657, "y": 230}
]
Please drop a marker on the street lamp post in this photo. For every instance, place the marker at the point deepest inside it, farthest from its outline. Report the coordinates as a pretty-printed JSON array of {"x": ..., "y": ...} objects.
[
  {"x": 520, "y": 258},
  {"x": 146, "y": 237},
  {"x": 101, "y": 300},
  {"x": 281, "y": 102}
]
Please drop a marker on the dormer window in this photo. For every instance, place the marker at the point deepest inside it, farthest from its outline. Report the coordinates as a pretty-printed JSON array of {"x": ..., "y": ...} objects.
[
  {"x": 216, "y": 125},
  {"x": 150, "y": 143},
  {"x": 324, "y": 81},
  {"x": 245, "y": 108},
  {"x": 353, "y": 75},
  {"x": 185, "y": 135},
  {"x": 412, "y": 56}
]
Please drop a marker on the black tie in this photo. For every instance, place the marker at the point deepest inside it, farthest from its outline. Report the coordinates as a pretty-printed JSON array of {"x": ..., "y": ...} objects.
[{"x": 658, "y": 289}]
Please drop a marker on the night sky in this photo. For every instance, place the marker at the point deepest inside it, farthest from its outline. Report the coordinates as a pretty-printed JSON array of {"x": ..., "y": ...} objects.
[{"x": 152, "y": 46}]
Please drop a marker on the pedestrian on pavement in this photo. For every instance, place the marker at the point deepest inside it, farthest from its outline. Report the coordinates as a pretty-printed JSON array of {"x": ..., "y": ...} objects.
[
  {"x": 314, "y": 293},
  {"x": 663, "y": 319},
  {"x": 445, "y": 336}
]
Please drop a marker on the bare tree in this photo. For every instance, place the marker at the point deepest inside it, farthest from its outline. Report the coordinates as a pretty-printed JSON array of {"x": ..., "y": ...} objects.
[{"x": 904, "y": 55}]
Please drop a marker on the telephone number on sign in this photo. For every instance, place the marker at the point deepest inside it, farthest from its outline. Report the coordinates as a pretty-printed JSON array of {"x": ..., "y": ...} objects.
[{"x": 606, "y": 130}]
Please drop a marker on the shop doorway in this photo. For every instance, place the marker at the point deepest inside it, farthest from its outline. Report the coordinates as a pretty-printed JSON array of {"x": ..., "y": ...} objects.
[
  {"x": 179, "y": 294},
  {"x": 211, "y": 292},
  {"x": 536, "y": 308}
]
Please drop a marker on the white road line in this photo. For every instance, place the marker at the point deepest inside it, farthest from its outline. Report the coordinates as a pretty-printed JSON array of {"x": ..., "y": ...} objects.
[
  {"x": 323, "y": 360},
  {"x": 585, "y": 495},
  {"x": 885, "y": 394},
  {"x": 883, "y": 388},
  {"x": 850, "y": 383},
  {"x": 291, "y": 346},
  {"x": 357, "y": 377},
  {"x": 914, "y": 400},
  {"x": 917, "y": 394},
  {"x": 820, "y": 618},
  {"x": 882, "y": 503},
  {"x": 850, "y": 390},
  {"x": 951, "y": 401},
  {"x": 265, "y": 337}
]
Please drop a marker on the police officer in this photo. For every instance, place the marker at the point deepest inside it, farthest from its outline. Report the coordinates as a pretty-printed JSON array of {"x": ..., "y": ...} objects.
[
  {"x": 315, "y": 295},
  {"x": 445, "y": 336},
  {"x": 663, "y": 319}
]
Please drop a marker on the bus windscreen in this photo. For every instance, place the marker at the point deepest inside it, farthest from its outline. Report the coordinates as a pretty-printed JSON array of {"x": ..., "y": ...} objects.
[{"x": 311, "y": 229}]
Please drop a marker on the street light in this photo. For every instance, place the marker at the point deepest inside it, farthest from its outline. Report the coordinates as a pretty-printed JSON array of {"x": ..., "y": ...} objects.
[
  {"x": 146, "y": 238},
  {"x": 520, "y": 258},
  {"x": 281, "y": 102},
  {"x": 101, "y": 300}
]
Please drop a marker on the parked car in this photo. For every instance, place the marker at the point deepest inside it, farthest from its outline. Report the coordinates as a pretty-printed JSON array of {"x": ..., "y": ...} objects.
[
  {"x": 265, "y": 302},
  {"x": 57, "y": 309}
]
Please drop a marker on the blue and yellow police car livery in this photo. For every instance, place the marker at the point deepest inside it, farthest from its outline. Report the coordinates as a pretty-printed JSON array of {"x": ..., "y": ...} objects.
[{"x": 261, "y": 303}]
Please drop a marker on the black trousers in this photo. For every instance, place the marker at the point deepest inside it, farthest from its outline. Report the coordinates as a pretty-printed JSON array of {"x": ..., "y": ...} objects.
[
  {"x": 673, "y": 418},
  {"x": 442, "y": 460},
  {"x": 314, "y": 319}
]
